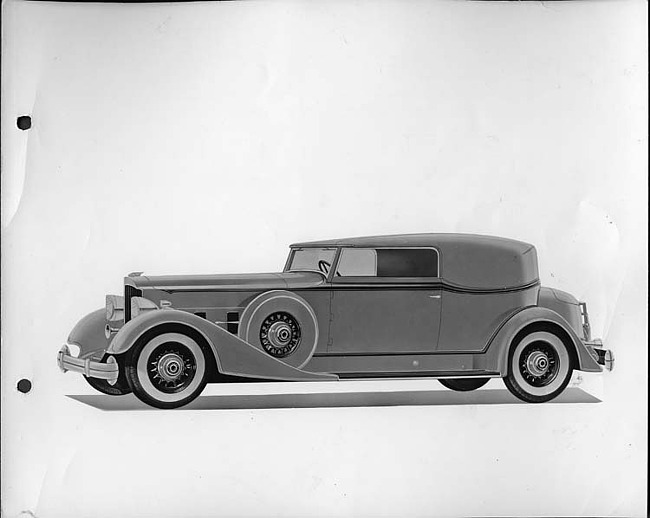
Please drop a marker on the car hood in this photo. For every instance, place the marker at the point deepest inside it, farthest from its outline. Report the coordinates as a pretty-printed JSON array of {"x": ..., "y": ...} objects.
[{"x": 225, "y": 282}]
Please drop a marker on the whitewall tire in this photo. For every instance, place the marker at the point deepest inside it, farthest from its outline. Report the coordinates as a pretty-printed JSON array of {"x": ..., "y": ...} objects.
[
  {"x": 167, "y": 371},
  {"x": 539, "y": 367}
]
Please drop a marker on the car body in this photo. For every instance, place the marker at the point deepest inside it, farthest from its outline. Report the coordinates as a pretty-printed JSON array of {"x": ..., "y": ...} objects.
[{"x": 462, "y": 308}]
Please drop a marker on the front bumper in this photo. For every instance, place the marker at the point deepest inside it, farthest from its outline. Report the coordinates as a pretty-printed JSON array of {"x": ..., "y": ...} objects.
[
  {"x": 604, "y": 357},
  {"x": 108, "y": 371}
]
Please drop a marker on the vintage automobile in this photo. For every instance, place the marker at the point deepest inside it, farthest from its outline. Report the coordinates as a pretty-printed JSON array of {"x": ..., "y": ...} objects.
[{"x": 460, "y": 308}]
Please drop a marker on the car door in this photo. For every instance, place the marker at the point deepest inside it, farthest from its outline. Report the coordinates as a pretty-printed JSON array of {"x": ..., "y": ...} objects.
[{"x": 385, "y": 301}]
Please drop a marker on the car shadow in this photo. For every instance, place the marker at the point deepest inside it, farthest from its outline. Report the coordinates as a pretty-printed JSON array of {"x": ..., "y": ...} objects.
[{"x": 336, "y": 400}]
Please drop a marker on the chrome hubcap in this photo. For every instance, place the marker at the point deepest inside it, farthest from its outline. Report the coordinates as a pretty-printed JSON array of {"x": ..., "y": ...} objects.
[
  {"x": 539, "y": 364},
  {"x": 280, "y": 334},
  {"x": 171, "y": 367}
]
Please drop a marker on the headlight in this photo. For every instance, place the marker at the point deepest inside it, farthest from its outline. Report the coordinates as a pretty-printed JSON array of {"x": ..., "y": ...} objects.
[
  {"x": 140, "y": 305},
  {"x": 74, "y": 350},
  {"x": 114, "y": 307}
]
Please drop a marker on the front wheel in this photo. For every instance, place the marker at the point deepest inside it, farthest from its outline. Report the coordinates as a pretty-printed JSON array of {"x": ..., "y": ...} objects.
[
  {"x": 464, "y": 384},
  {"x": 120, "y": 388},
  {"x": 168, "y": 371},
  {"x": 539, "y": 367}
]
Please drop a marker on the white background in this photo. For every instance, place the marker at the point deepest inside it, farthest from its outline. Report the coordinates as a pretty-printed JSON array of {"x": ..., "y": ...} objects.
[{"x": 204, "y": 138}]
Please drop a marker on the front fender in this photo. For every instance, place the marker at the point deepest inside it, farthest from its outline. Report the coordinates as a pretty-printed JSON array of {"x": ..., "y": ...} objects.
[
  {"x": 234, "y": 356},
  {"x": 499, "y": 346},
  {"x": 88, "y": 334}
]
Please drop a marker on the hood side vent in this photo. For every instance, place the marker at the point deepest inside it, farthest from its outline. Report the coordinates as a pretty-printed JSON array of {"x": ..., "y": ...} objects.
[{"x": 232, "y": 322}]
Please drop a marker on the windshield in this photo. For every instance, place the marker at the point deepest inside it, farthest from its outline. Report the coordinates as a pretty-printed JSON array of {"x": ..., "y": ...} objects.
[{"x": 311, "y": 260}]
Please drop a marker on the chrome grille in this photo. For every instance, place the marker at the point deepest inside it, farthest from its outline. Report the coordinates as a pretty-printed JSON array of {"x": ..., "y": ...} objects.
[{"x": 129, "y": 293}]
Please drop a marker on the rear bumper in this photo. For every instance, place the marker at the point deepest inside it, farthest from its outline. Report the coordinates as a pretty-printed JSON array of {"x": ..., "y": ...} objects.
[
  {"x": 107, "y": 371},
  {"x": 604, "y": 357}
]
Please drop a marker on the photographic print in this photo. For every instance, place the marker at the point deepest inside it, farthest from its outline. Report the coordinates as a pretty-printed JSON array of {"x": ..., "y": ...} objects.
[{"x": 325, "y": 258}]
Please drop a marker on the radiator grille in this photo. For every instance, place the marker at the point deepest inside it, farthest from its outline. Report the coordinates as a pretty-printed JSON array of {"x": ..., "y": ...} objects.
[{"x": 129, "y": 293}]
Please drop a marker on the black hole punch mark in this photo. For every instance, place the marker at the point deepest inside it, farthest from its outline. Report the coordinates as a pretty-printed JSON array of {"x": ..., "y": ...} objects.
[
  {"x": 24, "y": 122},
  {"x": 24, "y": 386}
]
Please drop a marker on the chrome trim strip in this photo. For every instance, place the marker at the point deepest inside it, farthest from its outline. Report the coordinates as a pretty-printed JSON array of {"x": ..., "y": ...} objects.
[
  {"x": 400, "y": 353},
  {"x": 415, "y": 285},
  {"x": 341, "y": 248},
  {"x": 289, "y": 259},
  {"x": 419, "y": 285},
  {"x": 334, "y": 266}
]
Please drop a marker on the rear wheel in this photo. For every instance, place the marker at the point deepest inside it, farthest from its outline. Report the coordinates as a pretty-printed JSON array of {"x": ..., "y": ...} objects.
[
  {"x": 464, "y": 384},
  {"x": 539, "y": 367},
  {"x": 167, "y": 371}
]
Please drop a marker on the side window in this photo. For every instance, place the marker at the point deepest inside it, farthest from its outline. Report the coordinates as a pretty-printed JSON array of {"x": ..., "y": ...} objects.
[
  {"x": 357, "y": 262},
  {"x": 388, "y": 262},
  {"x": 406, "y": 262}
]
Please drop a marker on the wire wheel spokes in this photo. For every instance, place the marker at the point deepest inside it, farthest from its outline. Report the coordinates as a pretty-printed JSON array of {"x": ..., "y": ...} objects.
[
  {"x": 539, "y": 364},
  {"x": 280, "y": 334},
  {"x": 171, "y": 367}
]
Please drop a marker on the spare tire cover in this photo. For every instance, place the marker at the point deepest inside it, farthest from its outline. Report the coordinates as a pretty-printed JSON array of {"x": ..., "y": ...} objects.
[{"x": 281, "y": 324}]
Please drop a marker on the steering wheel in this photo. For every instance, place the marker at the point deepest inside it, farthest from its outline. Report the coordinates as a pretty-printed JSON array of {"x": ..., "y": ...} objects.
[{"x": 324, "y": 266}]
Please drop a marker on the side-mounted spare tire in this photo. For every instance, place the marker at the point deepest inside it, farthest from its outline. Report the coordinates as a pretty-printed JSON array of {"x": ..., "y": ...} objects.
[{"x": 283, "y": 325}]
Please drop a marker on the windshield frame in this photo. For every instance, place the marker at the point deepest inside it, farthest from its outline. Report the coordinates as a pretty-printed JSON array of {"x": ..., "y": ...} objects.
[{"x": 328, "y": 275}]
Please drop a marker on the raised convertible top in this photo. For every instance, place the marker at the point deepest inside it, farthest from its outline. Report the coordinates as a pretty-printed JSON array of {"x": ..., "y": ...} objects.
[{"x": 466, "y": 260}]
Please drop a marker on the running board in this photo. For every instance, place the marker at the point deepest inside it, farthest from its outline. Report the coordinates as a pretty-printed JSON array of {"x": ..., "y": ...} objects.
[{"x": 418, "y": 374}]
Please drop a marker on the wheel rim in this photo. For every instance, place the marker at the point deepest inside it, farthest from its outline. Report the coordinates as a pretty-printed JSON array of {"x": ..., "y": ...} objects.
[
  {"x": 185, "y": 385},
  {"x": 539, "y": 364},
  {"x": 171, "y": 367},
  {"x": 280, "y": 334}
]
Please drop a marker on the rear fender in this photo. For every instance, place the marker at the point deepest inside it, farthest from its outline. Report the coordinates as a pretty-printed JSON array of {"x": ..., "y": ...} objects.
[
  {"x": 234, "y": 356},
  {"x": 500, "y": 345}
]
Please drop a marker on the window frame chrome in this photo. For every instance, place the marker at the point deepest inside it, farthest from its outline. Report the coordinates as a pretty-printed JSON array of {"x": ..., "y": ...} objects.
[
  {"x": 340, "y": 252},
  {"x": 293, "y": 251}
]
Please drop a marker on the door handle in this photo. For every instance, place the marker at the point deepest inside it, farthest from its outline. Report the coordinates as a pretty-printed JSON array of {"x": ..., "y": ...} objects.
[{"x": 434, "y": 296}]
